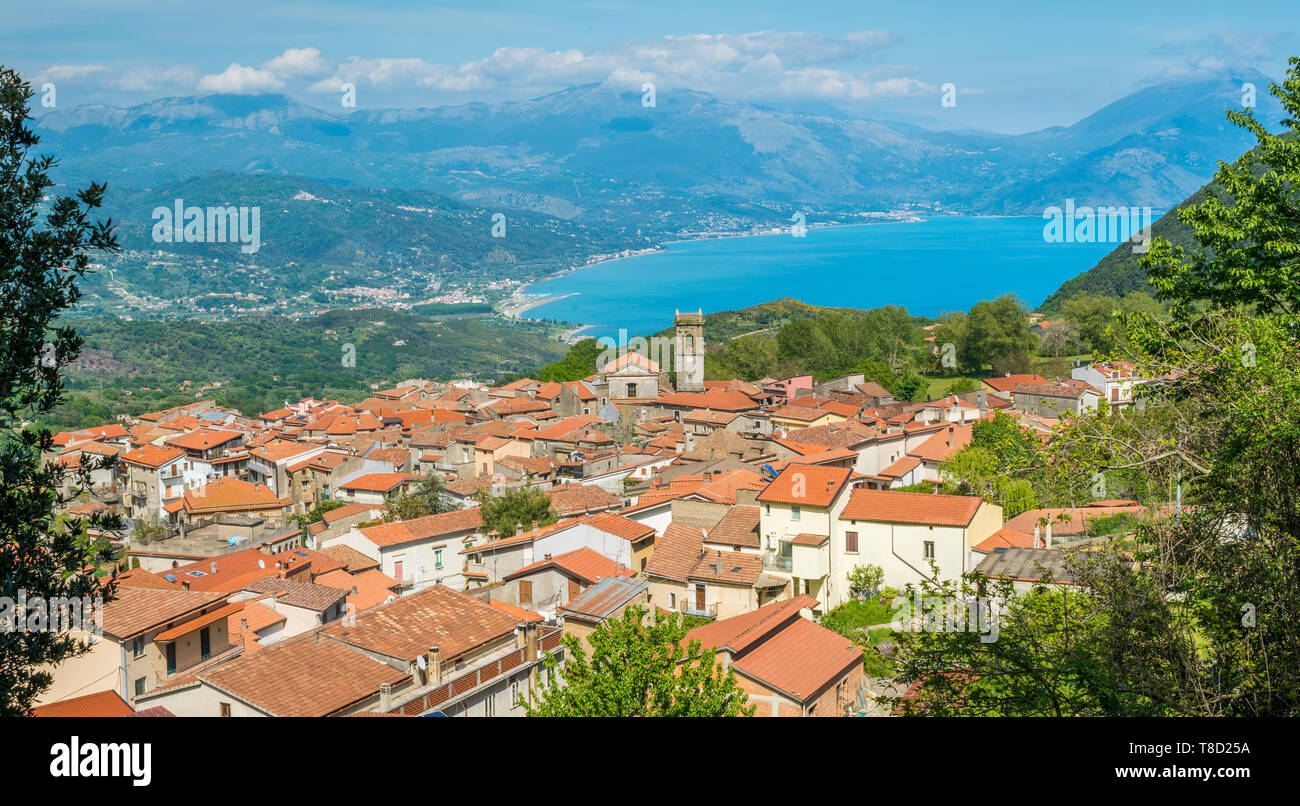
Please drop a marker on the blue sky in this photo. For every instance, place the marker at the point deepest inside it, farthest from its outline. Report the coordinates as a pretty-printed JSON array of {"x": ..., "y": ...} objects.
[{"x": 1017, "y": 66}]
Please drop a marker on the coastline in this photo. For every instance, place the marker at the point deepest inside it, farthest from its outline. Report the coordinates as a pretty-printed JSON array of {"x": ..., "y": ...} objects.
[{"x": 518, "y": 304}]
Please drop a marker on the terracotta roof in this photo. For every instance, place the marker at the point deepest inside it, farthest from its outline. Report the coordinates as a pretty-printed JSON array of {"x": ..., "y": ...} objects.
[
  {"x": 152, "y": 455},
  {"x": 204, "y": 438},
  {"x": 140, "y": 578},
  {"x": 580, "y": 499},
  {"x": 626, "y": 528},
  {"x": 1008, "y": 383},
  {"x": 438, "y": 616},
  {"x": 425, "y": 528},
  {"x": 137, "y": 610},
  {"x": 901, "y": 468},
  {"x": 378, "y": 482},
  {"x": 740, "y": 632},
  {"x": 807, "y": 485},
  {"x": 299, "y": 593},
  {"x": 584, "y": 563},
  {"x": 801, "y": 659},
  {"x": 739, "y": 527},
  {"x": 676, "y": 552},
  {"x": 303, "y": 676},
  {"x": 719, "y": 399},
  {"x": 99, "y": 704},
  {"x": 520, "y": 613},
  {"x": 735, "y": 567},
  {"x": 346, "y": 511},
  {"x": 229, "y": 493},
  {"x": 353, "y": 560},
  {"x": 373, "y": 587},
  {"x": 1006, "y": 538},
  {"x": 887, "y": 506},
  {"x": 943, "y": 444},
  {"x": 809, "y": 539}
]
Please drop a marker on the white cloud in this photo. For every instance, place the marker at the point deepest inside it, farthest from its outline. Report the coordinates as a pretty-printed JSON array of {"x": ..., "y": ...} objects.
[
  {"x": 763, "y": 64},
  {"x": 71, "y": 72},
  {"x": 295, "y": 62},
  {"x": 240, "y": 80}
]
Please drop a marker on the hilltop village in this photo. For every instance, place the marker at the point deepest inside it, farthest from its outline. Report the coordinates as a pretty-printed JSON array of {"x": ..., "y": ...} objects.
[{"x": 274, "y": 569}]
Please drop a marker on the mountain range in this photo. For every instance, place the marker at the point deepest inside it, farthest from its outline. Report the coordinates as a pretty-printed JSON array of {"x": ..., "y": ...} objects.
[{"x": 591, "y": 152}]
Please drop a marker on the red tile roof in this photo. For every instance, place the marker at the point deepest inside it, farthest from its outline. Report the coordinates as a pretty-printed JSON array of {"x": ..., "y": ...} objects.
[
  {"x": 584, "y": 563},
  {"x": 806, "y": 485},
  {"x": 99, "y": 704},
  {"x": 887, "y": 506},
  {"x": 425, "y": 528}
]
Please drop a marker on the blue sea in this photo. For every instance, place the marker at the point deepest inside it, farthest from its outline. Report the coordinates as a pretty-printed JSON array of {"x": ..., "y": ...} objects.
[{"x": 945, "y": 263}]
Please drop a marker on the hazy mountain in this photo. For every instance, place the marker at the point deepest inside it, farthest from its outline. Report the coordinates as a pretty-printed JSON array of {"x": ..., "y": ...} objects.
[{"x": 592, "y": 153}]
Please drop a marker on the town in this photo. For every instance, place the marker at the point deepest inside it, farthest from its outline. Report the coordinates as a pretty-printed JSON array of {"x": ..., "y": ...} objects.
[{"x": 367, "y": 537}]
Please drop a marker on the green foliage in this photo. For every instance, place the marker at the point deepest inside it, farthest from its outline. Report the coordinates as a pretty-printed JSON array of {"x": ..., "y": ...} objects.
[
  {"x": 578, "y": 363},
  {"x": 428, "y": 496},
  {"x": 865, "y": 579},
  {"x": 316, "y": 513},
  {"x": 515, "y": 508},
  {"x": 45, "y": 249},
  {"x": 639, "y": 669}
]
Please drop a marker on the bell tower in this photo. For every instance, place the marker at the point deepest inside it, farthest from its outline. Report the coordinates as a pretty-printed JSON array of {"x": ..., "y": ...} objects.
[{"x": 690, "y": 351}]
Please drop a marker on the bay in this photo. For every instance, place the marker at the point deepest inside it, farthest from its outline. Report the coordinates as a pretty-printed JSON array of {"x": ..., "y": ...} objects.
[{"x": 944, "y": 263}]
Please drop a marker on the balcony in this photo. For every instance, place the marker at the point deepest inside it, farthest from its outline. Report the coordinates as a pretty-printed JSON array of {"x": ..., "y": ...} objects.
[
  {"x": 777, "y": 561},
  {"x": 689, "y": 608}
]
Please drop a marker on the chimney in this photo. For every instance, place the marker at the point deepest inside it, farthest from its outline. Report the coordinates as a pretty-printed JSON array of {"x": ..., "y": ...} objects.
[
  {"x": 547, "y": 558},
  {"x": 185, "y": 583},
  {"x": 1037, "y": 539},
  {"x": 243, "y": 625},
  {"x": 534, "y": 526},
  {"x": 949, "y": 440},
  {"x": 530, "y": 642},
  {"x": 385, "y": 697},
  {"x": 354, "y": 590},
  {"x": 435, "y": 666},
  {"x": 1049, "y": 535},
  {"x": 519, "y": 527},
  {"x": 213, "y": 566}
]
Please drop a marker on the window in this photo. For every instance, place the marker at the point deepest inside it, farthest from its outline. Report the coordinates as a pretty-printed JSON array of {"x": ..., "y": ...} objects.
[
  {"x": 490, "y": 706},
  {"x": 929, "y": 549},
  {"x": 225, "y": 709},
  {"x": 137, "y": 646},
  {"x": 672, "y": 601},
  {"x": 851, "y": 542},
  {"x": 437, "y": 558},
  {"x": 525, "y": 592},
  {"x": 794, "y": 513},
  {"x": 171, "y": 658},
  {"x": 139, "y": 686},
  {"x": 205, "y": 644}
]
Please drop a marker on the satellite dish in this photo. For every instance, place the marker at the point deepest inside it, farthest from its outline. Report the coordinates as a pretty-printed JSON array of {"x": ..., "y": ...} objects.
[
  {"x": 261, "y": 563},
  {"x": 421, "y": 662}
]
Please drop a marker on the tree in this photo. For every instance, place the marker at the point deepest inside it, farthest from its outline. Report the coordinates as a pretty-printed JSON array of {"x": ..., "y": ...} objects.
[
  {"x": 1196, "y": 614},
  {"x": 639, "y": 669},
  {"x": 427, "y": 497},
  {"x": 866, "y": 579},
  {"x": 515, "y": 508},
  {"x": 1053, "y": 651},
  {"x": 44, "y": 249},
  {"x": 996, "y": 332},
  {"x": 752, "y": 356}
]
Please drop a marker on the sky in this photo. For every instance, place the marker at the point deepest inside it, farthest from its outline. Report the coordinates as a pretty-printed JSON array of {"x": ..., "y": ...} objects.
[{"x": 1004, "y": 66}]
